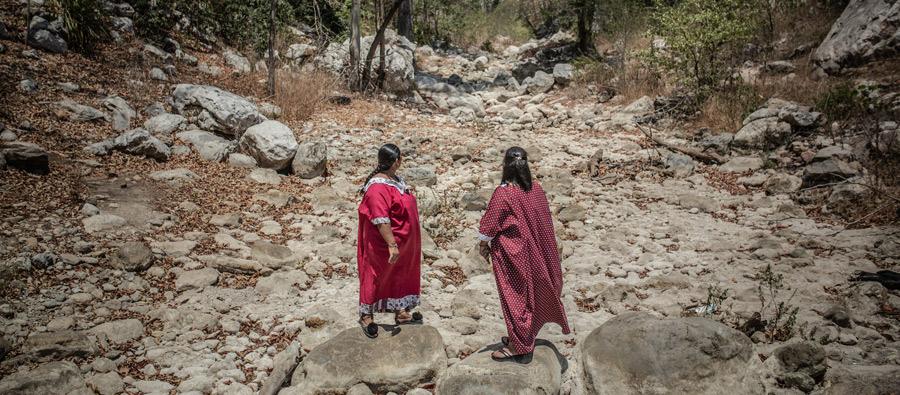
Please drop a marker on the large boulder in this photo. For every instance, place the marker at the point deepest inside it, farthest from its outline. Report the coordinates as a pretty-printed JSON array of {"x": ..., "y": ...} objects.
[
  {"x": 122, "y": 113},
  {"x": 238, "y": 62},
  {"x": 827, "y": 171},
  {"x": 59, "y": 345},
  {"x": 133, "y": 256},
  {"x": 61, "y": 377},
  {"x": 25, "y": 156},
  {"x": 540, "y": 82},
  {"x": 636, "y": 353},
  {"x": 866, "y": 30},
  {"x": 214, "y": 109},
  {"x": 479, "y": 374},
  {"x": 76, "y": 112},
  {"x": 773, "y": 123},
  {"x": 133, "y": 142},
  {"x": 271, "y": 143},
  {"x": 391, "y": 362},
  {"x": 164, "y": 123},
  {"x": 310, "y": 160},
  {"x": 210, "y": 146},
  {"x": 44, "y": 35},
  {"x": 119, "y": 331}
]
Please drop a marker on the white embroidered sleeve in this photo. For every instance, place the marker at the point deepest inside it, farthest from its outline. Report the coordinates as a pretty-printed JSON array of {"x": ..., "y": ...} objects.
[
  {"x": 381, "y": 220},
  {"x": 482, "y": 237}
]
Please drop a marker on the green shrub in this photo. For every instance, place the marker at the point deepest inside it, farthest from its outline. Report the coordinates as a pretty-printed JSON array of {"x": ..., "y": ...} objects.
[
  {"x": 85, "y": 21},
  {"x": 703, "y": 39}
]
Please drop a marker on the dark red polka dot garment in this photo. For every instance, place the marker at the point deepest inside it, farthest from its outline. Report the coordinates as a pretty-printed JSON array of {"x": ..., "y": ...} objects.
[{"x": 526, "y": 262}]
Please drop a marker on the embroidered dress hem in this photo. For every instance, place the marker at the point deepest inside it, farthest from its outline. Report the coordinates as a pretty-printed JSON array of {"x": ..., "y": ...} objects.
[
  {"x": 381, "y": 220},
  {"x": 482, "y": 237},
  {"x": 389, "y": 305}
]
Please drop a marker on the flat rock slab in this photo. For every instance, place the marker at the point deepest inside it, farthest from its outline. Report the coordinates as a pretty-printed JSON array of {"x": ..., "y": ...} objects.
[
  {"x": 639, "y": 353},
  {"x": 61, "y": 377},
  {"x": 391, "y": 362},
  {"x": 479, "y": 374}
]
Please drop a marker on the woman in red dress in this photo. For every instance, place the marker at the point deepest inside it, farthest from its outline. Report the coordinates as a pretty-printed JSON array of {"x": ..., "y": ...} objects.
[
  {"x": 389, "y": 248},
  {"x": 516, "y": 235}
]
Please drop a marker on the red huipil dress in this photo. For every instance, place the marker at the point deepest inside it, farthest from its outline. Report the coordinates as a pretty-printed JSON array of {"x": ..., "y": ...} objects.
[
  {"x": 526, "y": 263},
  {"x": 382, "y": 286}
]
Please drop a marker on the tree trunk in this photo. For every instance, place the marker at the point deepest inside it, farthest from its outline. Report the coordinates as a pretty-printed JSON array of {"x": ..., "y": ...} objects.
[
  {"x": 405, "y": 20},
  {"x": 379, "y": 38},
  {"x": 270, "y": 63},
  {"x": 585, "y": 10},
  {"x": 354, "y": 46}
]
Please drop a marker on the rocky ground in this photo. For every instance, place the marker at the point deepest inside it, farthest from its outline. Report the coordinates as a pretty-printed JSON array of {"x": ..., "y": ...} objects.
[{"x": 174, "y": 258}]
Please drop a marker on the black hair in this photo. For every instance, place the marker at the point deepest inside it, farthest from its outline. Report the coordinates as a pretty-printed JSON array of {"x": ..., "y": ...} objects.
[
  {"x": 515, "y": 168},
  {"x": 387, "y": 156}
]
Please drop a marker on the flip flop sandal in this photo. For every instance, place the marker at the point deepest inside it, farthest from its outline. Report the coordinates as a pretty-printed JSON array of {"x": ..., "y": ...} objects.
[
  {"x": 415, "y": 319},
  {"x": 371, "y": 330},
  {"x": 507, "y": 355}
]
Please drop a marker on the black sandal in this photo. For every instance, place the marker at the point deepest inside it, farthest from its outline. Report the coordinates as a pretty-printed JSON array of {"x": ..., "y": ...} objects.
[
  {"x": 507, "y": 355},
  {"x": 415, "y": 319},
  {"x": 371, "y": 330}
]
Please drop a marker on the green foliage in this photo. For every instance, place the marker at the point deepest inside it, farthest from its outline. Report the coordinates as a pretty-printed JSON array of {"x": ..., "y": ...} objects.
[
  {"x": 466, "y": 23},
  {"x": 241, "y": 23},
  {"x": 85, "y": 22},
  {"x": 703, "y": 38},
  {"x": 843, "y": 101},
  {"x": 780, "y": 316}
]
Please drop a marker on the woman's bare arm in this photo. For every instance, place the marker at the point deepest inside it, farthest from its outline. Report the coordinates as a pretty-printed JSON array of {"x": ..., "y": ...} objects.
[{"x": 388, "y": 235}]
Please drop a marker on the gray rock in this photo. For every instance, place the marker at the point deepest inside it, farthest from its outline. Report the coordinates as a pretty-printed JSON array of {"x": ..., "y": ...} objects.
[
  {"x": 39, "y": 36},
  {"x": 310, "y": 160},
  {"x": 272, "y": 255},
  {"x": 75, "y": 112},
  {"x": 164, "y": 124},
  {"x": 196, "y": 279},
  {"x": 197, "y": 384},
  {"x": 271, "y": 143},
  {"x": 866, "y": 30},
  {"x": 106, "y": 383},
  {"x": 176, "y": 248},
  {"x": 540, "y": 82},
  {"x": 420, "y": 176},
  {"x": 839, "y": 315},
  {"x": 848, "y": 379},
  {"x": 102, "y": 223},
  {"x": 761, "y": 133},
  {"x": 638, "y": 353},
  {"x": 680, "y": 165},
  {"x": 28, "y": 86},
  {"x": 283, "y": 367},
  {"x": 215, "y": 109},
  {"x": 121, "y": 112},
  {"x": 300, "y": 51},
  {"x": 133, "y": 142},
  {"x": 827, "y": 171},
  {"x": 264, "y": 176},
  {"x": 61, "y": 377},
  {"x": 742, "y": 164},
  {"x": 282, "y": 283},
  {"x": 210, "y": 146},
  {"x": 397, "y": 362},
  {"x": 153, "y": 387},
  {"x": 59, "y": 345},
  {"x": 782, "y": 183},
  {"x": 8, "y": 135},
  {"x": 133, "y": 256},
  {"x": 572, "y": 212},
  {"x": 780, "y": 67},
  {"x": 563, "y": 73},
  {"x": 25, "y": 156},
  {"x": 174, "y": 176},
  {"x": 803, "y": 365},
  {"x": 68, "y": 87},
  {"x": 241, "y": 160},
  {"x": 157, "y": 74},
  {"x": 230, "y": 220},
  {"x": 238, "y": 62},
  {"x": 479, "y": 374},
  {"x": 120, "y": 331},
  {"x": 834, "y": 151}
]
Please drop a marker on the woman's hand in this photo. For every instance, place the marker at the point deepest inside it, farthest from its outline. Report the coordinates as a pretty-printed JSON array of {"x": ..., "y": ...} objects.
[
  {"x": 485, "y": 250},
  {"x": 395, "y": 254}
]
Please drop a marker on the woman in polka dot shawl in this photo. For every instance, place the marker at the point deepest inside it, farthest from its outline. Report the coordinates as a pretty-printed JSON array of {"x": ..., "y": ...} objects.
[{"x": 516, "y": 235}]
